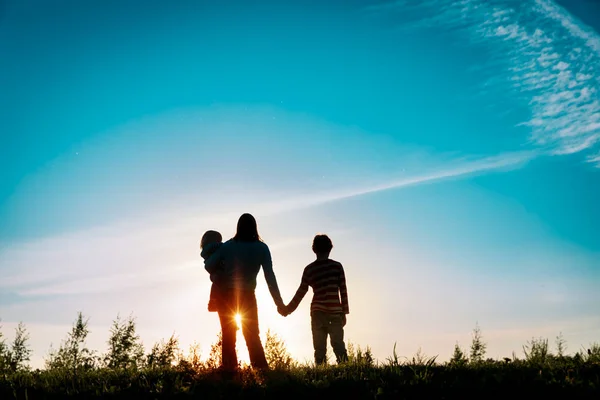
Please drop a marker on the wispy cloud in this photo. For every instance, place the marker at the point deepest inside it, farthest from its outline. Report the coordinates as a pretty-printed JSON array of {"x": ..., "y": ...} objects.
[
  {"x": 549, "y": 59},
  {"x": 126, "y": 255},
  {"x": 456, "y": 169}
]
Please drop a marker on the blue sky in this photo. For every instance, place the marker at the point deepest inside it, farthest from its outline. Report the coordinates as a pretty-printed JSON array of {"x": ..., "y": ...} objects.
[{"x": 451, "y": 151}]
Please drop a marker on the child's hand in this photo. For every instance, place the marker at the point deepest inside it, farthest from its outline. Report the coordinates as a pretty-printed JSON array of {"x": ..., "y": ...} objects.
[{"x": 343, "y": 320}]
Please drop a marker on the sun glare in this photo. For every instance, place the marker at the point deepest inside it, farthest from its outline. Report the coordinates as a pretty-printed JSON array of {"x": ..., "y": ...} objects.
[{"x": 238, "y": 320}]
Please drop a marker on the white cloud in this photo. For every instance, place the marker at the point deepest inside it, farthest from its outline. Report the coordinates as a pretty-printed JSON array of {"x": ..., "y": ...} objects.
[
  {"x": 456, "y": 170},
  {"x": 576, "y": 28},
  {"x": 595, "y": 159},
  {"x": 550, "y": 59},
  {"x": 133, "y": 254}
]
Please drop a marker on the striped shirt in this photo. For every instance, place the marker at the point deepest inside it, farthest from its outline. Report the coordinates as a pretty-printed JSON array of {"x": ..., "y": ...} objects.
[{"x": 327, "y": 279}]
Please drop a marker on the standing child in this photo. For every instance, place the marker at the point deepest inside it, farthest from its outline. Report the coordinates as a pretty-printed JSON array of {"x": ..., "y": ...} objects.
[
  {"x": 210, "y": 242},
  {"x": 330, "y": 301}
]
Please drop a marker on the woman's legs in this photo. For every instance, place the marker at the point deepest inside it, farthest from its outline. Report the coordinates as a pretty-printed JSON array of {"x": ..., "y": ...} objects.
[
  {"x": 250, "y": 330},
  {"x": 228, "y": 337}
]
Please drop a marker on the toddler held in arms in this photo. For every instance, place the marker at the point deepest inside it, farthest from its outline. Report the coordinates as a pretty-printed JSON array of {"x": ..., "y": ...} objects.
[{"x": 210, "y": 242}]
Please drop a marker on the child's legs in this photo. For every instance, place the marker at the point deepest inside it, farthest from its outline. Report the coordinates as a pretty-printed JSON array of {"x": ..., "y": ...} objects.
[
  {"x": 319, "y": 324},
  {"x": 336, "y": 336}
]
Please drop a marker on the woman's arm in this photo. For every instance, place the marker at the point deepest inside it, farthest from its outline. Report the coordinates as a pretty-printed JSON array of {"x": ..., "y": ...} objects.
[{"x": 267, "y": 265}]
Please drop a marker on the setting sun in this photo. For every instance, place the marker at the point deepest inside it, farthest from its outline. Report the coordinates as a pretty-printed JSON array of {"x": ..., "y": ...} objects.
[{"x": 238, "y": 320}]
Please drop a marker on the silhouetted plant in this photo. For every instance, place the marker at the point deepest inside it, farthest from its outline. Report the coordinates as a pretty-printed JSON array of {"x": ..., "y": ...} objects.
[
  {"x": 593, "y": 353},
  {"x": 420, "y": 358},
  {"x": 478, "y": 346},
  {"x": 20, "y": 353},
  {"x": 536, "y": 351},
  {"x": 73, "y": 355},
  {"x": 357, "y": 355},
  {"x": 458, "y": 357},
  {"x": 420, "y": 365},
  {"x": 214, "y": 356},
  {"x": 163, "y": 354},
  {"x": 561, "y": 345},
  {"x": 276, "y": 352},
  {"x": 192, "y": 360},
  {"x": 125, "y": 349},
  {"x": 4, "y": 353},
  {"x": 394, "y": 359}
]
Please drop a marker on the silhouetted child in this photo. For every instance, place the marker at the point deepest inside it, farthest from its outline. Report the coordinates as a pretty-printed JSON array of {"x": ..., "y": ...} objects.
[
  {"x": 330, "y": 301},
  {"x": 210, "y": 242}
]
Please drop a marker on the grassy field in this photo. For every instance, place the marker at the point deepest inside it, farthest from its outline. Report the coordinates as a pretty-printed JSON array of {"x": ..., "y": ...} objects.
[
  {"x": 568, "y": 379},
  {"x": 127, "y": 371}
]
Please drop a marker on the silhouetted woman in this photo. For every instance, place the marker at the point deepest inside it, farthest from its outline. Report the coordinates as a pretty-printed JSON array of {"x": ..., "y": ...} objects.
[{"x": 242, "y": 258}]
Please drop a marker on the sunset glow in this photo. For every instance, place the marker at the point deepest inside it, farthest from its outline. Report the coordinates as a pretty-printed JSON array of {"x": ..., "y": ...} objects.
[{"x": 450, "y": 150}]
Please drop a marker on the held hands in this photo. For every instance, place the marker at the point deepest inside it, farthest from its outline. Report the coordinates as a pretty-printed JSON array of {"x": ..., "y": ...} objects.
[{"x": 343, "y": 320}]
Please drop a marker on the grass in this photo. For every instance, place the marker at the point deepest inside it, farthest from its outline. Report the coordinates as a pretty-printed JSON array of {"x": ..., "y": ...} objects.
[
  {"x": 125, "y": 372},
  {"x": 569, "y": 378}
]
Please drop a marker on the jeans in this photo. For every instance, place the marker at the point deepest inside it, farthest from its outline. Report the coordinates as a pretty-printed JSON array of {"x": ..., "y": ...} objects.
[
  {"x": 244, "y": 303},
  {"x": 324, "y": 324}
]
